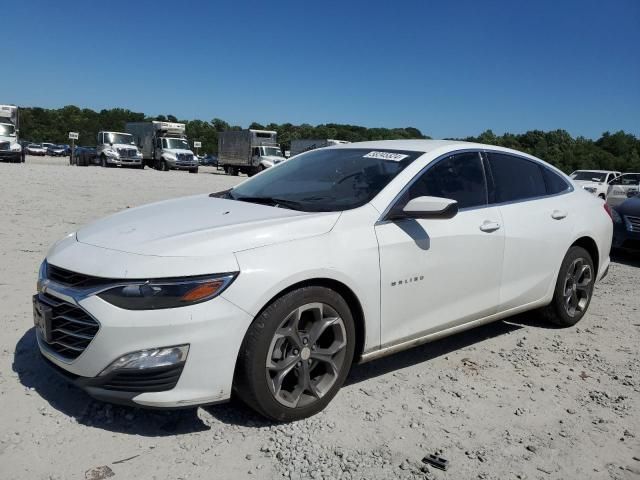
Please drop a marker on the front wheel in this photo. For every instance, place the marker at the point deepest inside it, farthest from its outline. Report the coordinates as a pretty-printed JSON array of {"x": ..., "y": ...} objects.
[
  {"x": 103, "y": 161},
  {"x": 574, "y": 288},
  {"x": 296, "y": 354}
]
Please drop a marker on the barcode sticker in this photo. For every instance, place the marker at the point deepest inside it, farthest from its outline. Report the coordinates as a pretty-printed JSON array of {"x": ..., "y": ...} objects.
[{"x": 386, "y": 156}]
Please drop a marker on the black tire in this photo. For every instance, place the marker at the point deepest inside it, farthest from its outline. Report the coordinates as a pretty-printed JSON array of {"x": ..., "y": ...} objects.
[
  {"x": 193, "y": 170},
  {"x": 103, "y": 161},
  {"x": 251, "y": 380},
  {"x": 574, "y": 287}
]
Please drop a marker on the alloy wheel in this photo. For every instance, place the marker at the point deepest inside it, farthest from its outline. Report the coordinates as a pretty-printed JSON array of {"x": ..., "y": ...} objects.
[
  {"x": 577, "y": 287},
  {"x": 306, "y": 355}
]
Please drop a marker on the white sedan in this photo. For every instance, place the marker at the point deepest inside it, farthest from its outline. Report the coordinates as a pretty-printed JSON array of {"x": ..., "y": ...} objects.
[{"x": 274, "y": 288}]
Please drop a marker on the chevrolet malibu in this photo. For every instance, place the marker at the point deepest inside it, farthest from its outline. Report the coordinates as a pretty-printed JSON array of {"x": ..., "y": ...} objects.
[{"x": 273, "y": 289}]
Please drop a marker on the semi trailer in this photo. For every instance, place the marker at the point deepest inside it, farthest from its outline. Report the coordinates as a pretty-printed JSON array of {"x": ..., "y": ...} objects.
[
  {"x": 164, "y": 145},
  {"x": 10, "y": 148},
  {"x": 248, "y": 151}
]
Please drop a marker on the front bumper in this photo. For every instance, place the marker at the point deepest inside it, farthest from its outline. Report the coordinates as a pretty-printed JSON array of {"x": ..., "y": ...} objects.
[
  {"x": 10, "y": 155},
  {"x": 121, "y": 162},
  {"x": 625, "y": 239},
  {"x": 214, "y": 331}
]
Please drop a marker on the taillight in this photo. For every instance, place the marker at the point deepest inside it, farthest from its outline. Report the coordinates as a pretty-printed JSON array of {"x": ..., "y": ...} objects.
[{"x": 607, "y": 208}]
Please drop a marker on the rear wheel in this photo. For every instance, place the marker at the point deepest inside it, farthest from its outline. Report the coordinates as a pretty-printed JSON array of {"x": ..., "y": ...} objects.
[
  {"x": 296, "y": 354},
  {"x": 574, "y": 288}
]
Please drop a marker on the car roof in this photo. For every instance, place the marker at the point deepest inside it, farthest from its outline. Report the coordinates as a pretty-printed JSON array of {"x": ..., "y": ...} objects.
[
  {"x": 596, "y": 171},
  {"x": 427, "y": 146}
]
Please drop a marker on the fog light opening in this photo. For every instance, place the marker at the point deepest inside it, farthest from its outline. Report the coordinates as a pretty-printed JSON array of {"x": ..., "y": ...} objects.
[{"x": 151, "y": 358}]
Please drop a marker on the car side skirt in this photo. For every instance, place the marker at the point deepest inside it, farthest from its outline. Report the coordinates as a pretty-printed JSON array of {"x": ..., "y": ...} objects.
[{"x": 426, "y": 337}]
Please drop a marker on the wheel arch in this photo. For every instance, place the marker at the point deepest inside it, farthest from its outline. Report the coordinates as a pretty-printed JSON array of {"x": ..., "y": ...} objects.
[
  {"x": 590, "y": 245},
  {"x": 345, "y": 292}
]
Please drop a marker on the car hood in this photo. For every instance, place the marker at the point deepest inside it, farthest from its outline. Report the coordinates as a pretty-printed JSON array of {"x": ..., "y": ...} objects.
[
  {"x": 177, "y": 150},
  {"x": 201, "y": 226}
]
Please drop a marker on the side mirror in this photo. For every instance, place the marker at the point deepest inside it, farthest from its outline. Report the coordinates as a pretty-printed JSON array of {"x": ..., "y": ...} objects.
[{"x": 427, "y": 207}]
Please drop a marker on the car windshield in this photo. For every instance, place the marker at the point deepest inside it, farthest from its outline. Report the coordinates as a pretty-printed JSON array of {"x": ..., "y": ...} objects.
[
  {"x": 35, "y": 145},
  {"x": 7, "y": 129},
  {"x": 271, "y": 151},
  {"x": 589, "y": 176},
  {"x": 327, "y": 180},
  {"x": 121, "y": 138},
  {"x": 178, "y": 143}
]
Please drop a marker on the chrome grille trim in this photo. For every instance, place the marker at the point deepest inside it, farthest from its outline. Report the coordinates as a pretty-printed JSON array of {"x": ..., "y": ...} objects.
[
  {"x": 72, "y": 328},
  {"x": 633, "y": 223}
]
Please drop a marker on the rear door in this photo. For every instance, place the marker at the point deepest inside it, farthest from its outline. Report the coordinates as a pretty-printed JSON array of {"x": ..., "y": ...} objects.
[{"x": 537, "y": 225}]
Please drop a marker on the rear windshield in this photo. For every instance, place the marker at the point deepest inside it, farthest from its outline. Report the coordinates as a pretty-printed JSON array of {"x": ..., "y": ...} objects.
[{"x": 327, "y": 179}]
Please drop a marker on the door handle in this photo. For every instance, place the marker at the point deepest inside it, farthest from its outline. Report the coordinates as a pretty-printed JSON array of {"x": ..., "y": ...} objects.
[
  {"x": 558, "y": 214},
  {"x": 488, "y": 226}
]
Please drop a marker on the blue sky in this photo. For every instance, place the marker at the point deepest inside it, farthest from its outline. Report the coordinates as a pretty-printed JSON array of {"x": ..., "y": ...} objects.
[{"x": 450, "y": 68}]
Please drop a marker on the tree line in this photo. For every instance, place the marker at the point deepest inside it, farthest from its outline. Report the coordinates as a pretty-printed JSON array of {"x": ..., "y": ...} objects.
[{"x": 612, "y": 151}]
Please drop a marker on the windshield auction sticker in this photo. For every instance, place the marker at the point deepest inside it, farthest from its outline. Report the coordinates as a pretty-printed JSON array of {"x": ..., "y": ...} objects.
[{"x": 386, "y": 156}]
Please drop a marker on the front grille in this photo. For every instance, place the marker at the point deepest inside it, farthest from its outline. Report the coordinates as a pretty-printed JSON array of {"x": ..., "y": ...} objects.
[
  {"x": 72, "y": 329},
  {"x": 73, "y": 279},
  {"x": 127, "y": 152},
  {"x": 633, "y": 223},
  {"x": 157, "y": 379},
  {"x": 4, "y": 145},
  {"x": 184, "y": 158}
]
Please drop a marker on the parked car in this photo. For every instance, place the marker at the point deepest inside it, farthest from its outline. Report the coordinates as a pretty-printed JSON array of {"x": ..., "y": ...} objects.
[
  {"x": 626, "y": 224},
  {"x": 56, "y": 151},
  {"x": 594, "y": 181},
  {"x": 349, "y": 253},
  {"x": 209, "y": 161},
  {"x": 46, "y": 145},
  {"x": 36, "y": 149},
  {"x": 85, "y": 156},
  {"x": 625, "y": 186}
]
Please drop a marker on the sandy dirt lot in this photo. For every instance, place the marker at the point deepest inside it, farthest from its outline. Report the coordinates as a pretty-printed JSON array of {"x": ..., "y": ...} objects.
[{"x": 512, "y": 400}]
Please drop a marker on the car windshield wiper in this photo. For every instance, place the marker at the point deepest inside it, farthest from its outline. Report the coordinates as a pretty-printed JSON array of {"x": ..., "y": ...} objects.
[{"x": 276, "y": 202}]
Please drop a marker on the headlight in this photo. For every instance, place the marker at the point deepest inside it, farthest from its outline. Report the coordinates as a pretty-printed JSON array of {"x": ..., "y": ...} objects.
[
  {"x": 615, "y": 216},
  {"x": 167, "y": 293},
  {"x": 15, "y": 147},
  {"x": 112, "y": 153},
  {"x": 590, "y": 189}
]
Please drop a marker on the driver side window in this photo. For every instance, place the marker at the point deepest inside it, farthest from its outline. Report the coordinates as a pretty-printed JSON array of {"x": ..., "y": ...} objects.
[{"x": 459, "y": 177}]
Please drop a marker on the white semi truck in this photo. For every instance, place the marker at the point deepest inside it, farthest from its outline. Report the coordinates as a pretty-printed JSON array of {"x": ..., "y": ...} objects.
[
  {"x": 118, "y": 148},
  {"x": 164, "y": 145},
  {"x": 10, "y": 148},
  {"x": 305, "y": 144},
  {"x": 248, "y": 151}
]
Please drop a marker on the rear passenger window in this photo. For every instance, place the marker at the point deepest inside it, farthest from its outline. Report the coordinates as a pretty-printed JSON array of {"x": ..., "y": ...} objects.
[
  {"x": 515, "y": 178},
  {"x": 554, "y": 182},
  {"x": 459, "y": 177}
]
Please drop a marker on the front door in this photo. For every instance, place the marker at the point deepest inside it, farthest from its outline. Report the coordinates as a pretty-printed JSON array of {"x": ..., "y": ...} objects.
[{"x": 438, "y": 273}]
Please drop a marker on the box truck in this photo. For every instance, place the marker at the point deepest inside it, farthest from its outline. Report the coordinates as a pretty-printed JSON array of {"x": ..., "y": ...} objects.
[
  {"x": 10, "y": 148},
  {"x": 305, "y": 144},
  {"x": 248, "y": 151},
  {"x": 164, "y": 145}
]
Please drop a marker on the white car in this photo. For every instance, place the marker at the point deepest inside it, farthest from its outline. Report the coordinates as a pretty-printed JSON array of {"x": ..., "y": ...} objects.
[
  {"x": 36, "y": 149},
  {"x": 623, "y": 187},
  {"x": 595, "y": 182},
  {"x": 348, "y": 253}
]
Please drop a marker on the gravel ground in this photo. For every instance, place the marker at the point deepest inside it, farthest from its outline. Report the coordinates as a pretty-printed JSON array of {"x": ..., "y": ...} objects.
[{"x": 515, "y": 399}]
